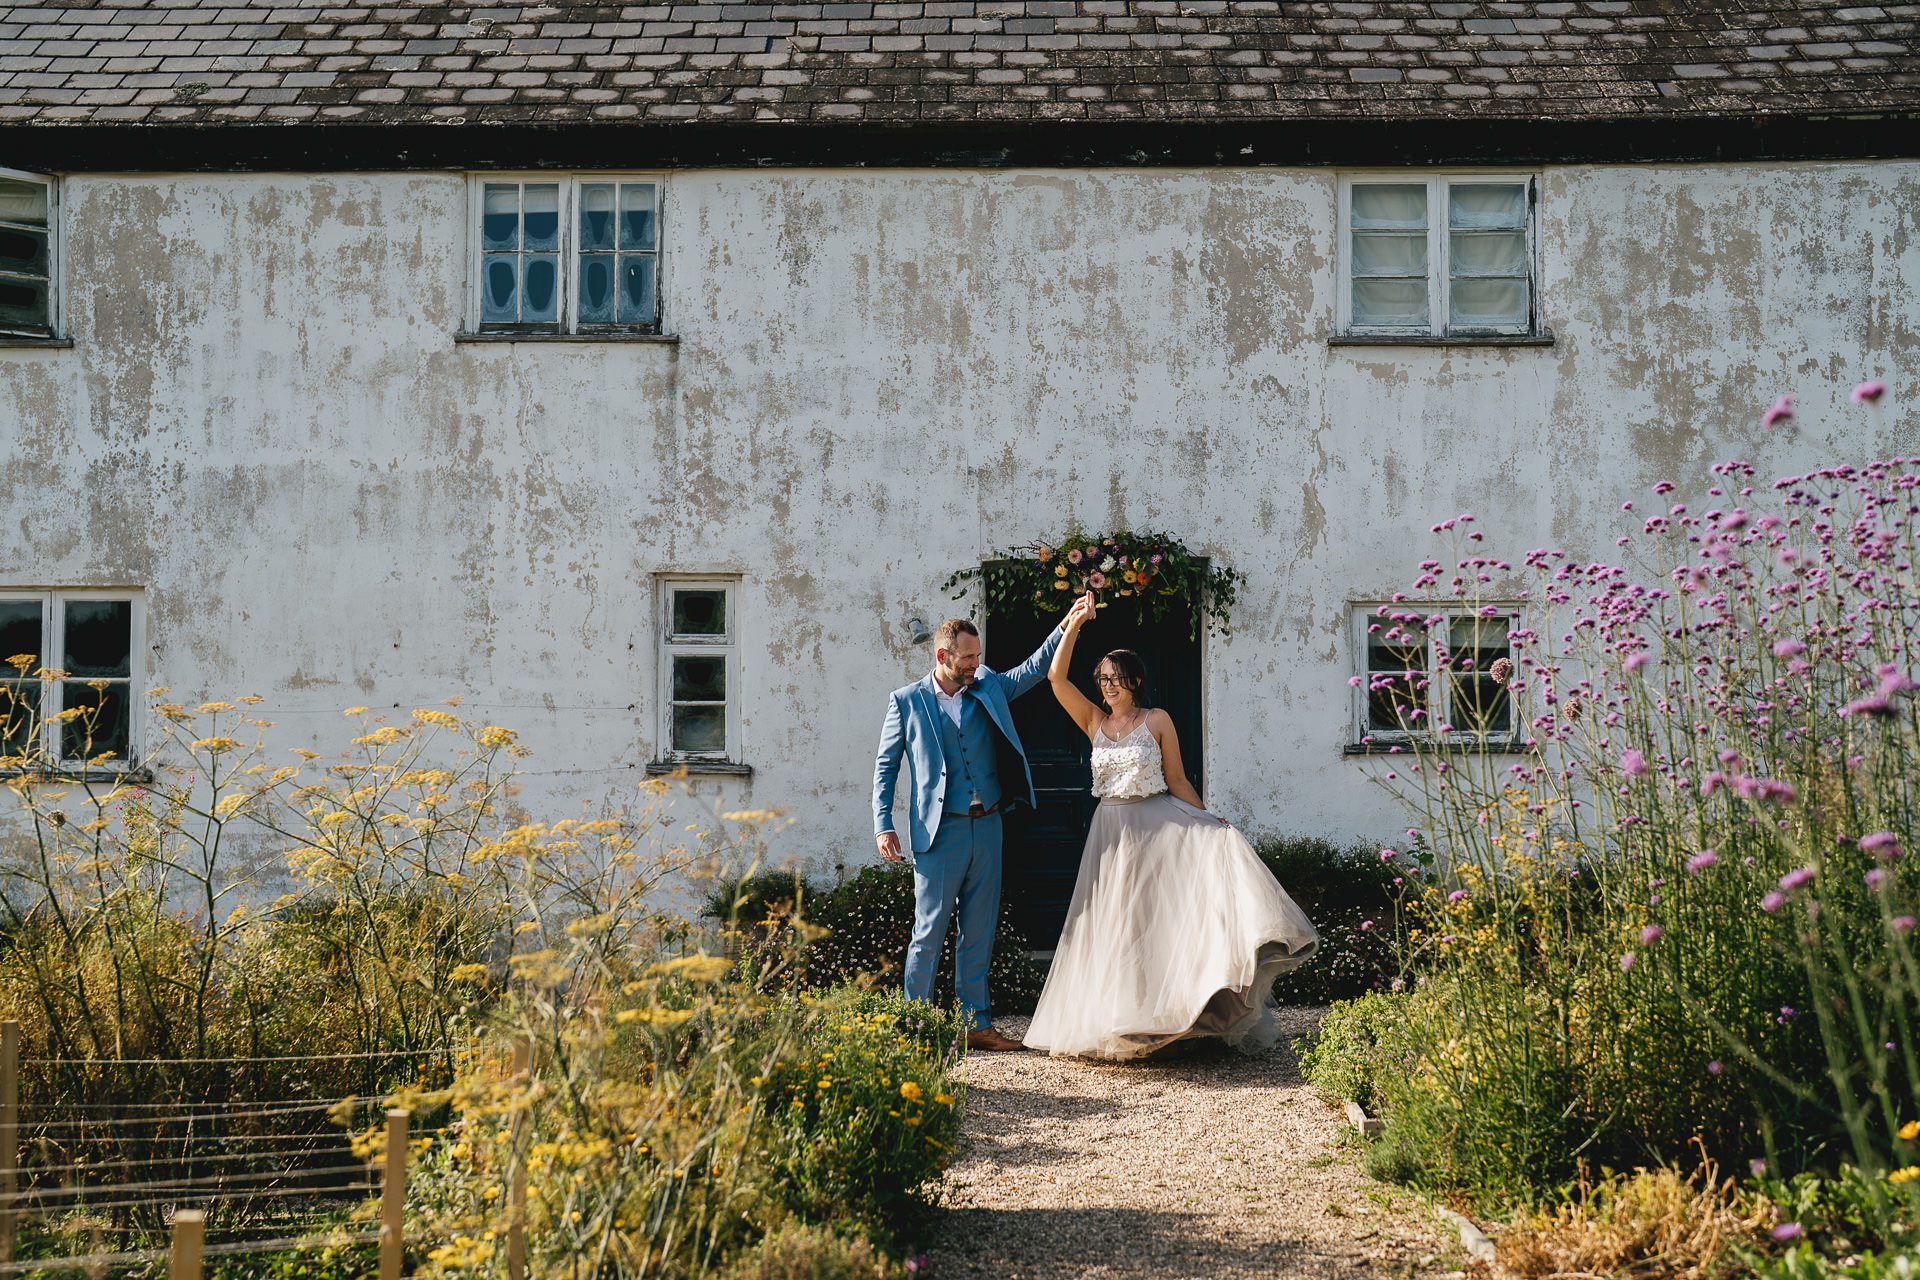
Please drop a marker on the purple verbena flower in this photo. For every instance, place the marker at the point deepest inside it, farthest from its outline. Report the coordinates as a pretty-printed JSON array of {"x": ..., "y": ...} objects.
[
  {"x": 1869, "y": 392},
  {"x": 1701, "y": 861},
  {"x": 1782, "y": 411},
  {"x": 1882, "y": 844},
  {"x": 1797, "y": 879}
]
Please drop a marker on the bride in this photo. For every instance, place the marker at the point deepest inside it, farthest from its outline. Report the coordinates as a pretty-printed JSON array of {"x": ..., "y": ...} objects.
[{"x": 1176, "y": 928}]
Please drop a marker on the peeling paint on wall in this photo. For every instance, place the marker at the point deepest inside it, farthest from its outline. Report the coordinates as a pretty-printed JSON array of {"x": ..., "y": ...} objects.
[{"x": 266, "y": 422}]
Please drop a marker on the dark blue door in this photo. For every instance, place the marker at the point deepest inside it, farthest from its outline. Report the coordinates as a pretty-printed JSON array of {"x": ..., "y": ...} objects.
[{"x": 1043, "y": 845}]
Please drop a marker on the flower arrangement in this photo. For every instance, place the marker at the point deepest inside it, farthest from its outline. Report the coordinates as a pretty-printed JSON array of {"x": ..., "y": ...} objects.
[{"x": 1153, "y": 572}]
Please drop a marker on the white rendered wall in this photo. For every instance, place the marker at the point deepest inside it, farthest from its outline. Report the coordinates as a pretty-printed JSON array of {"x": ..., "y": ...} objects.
[{"x": 265, "y": 422}]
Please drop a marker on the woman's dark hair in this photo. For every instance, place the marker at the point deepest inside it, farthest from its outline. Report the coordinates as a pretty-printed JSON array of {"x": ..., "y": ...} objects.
[{"x": 1132, "y": 673}]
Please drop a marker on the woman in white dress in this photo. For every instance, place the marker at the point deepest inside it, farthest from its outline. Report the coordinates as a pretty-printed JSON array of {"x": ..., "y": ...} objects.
[{"x": 1176, "y": 928}]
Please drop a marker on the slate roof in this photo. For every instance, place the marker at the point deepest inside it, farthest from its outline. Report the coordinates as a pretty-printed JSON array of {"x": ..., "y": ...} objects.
[{"x": 956, "y": 61}]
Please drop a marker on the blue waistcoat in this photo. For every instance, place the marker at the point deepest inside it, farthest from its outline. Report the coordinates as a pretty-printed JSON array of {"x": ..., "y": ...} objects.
[{"x": 969, "y": 750}]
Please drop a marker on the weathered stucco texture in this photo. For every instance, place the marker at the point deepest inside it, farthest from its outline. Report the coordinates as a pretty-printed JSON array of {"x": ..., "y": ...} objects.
[{"x": 265, "y": 422}]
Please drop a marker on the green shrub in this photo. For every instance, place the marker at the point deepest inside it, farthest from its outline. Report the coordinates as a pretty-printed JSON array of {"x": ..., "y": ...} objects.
[
  {"x": 869, "y": 1115},
  {"x": 799, "y": 1252},
  {"x": 1352, "y": 1051}
]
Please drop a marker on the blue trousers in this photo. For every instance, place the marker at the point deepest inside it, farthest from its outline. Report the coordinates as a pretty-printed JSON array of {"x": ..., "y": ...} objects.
[{"x": 961, "y": 870}]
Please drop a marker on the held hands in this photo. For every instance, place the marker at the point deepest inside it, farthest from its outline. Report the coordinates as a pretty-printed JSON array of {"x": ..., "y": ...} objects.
[{"x": 1083, "y": 609}]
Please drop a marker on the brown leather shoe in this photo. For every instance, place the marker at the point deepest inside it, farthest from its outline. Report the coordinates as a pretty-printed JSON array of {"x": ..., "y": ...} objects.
[{"x": 991, "y": 1040}]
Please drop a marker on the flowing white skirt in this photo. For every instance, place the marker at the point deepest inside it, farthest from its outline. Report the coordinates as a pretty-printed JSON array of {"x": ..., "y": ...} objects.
[{"x": 1176, "y": 929}]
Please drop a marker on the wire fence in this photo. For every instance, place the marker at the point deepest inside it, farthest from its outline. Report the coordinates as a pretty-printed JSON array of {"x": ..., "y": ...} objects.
[{"x": 268, "y": 1174}]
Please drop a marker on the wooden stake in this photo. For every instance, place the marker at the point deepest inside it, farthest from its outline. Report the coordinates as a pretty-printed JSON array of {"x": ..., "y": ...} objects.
[
  {"x": 9, "y": 1131},
  {"x": 517, "y": 1186},
  {"x": 393, "y": 1196},
  {"x": 189, "y": 1237}
]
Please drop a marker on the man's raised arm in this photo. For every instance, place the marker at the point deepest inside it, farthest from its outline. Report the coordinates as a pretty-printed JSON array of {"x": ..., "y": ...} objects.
[{"x": 1034, "y": 669}]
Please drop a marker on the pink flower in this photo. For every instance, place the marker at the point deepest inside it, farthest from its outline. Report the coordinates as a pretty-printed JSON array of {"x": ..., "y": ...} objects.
[
  {"x": 1714, "y": 1068},
  {"x": 1651, "y": 934},
  {"x": 1073, "y": 557},
  {"x": 1632, "y": 763},
  {"x": 1626, "y": 962},
  {"x": 1786, "y": 1231},
  {"x": 1797, "y": 879},
  {"x": 1096, "y": 580},
  {"x": 1366, "y": 924},
  {"x": 1357, "y": 681},
  {"x": 1787, "y": 648},
  {"x": 1701, "y": 861},
  {"x": 1869, "y": 392},
  {"x": 1773, "y": 902},
  {"x": 1875, "y": 878},
  {"x": 1388, "y": 855},
  {"x": 1638, "y": 660},
  {"x": 1902, "y": 924},
  {"x": 1153, "y": 559},
  {"x": 1458, "y": 895},
  {"x": 1782, "y": 410},
  {"x": 1882, "y": 844}
]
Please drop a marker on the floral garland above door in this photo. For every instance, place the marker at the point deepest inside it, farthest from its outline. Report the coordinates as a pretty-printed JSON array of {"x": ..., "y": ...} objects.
[{"x": 1151, "y": 572}]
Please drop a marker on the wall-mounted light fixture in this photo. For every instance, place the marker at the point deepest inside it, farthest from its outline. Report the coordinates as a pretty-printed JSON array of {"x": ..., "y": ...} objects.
[{"x": 917, "y": 631}]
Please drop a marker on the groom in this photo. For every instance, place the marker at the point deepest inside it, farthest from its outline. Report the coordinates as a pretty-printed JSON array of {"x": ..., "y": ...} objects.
[{"x": 968, "y": 766}]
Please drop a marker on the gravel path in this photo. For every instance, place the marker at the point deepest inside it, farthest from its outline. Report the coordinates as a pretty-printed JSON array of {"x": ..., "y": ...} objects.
[{"x": 1198, "y": 1162}]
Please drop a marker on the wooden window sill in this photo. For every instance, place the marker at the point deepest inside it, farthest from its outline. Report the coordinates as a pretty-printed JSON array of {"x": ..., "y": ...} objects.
[
  {"x": 698, "y": 769},
  {"x": 133, "y": 774},
  {"x": 670, "y": 339},
  {"x": 1452, "y": 746},
  {"x": 1450, "y": 340},
  {"x": 26, "y": 342}
]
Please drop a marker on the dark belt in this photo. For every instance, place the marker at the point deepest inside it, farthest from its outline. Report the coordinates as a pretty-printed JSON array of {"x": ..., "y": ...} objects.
[{"x": 976, "y": 811}]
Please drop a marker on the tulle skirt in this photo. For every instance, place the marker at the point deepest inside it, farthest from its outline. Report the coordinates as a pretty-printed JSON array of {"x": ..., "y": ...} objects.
[{"x": 1176, "y": 929}]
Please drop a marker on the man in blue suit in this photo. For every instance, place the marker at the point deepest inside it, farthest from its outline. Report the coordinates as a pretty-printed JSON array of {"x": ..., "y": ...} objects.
[{"x": 957, "y": 730}]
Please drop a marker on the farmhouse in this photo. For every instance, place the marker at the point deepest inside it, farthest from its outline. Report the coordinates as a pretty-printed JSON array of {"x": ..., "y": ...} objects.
[{"x": 641, "y": 372}]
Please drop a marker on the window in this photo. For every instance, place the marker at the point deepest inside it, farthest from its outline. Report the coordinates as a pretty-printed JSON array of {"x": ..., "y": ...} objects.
[
  {"x": 26, "y": 255},
  {"x": 577, "y": 254},
  {"x": 1428, "y": 668},
  {"x": 1437, "y": 257},
  {"x": 91, "y": 639},
  {"x": 699, "y": 671}
]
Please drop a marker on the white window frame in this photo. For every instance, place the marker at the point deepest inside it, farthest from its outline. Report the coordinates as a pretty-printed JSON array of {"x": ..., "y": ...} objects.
[
  {"x": 1365, "y": 614},
  {"x": 51, "y": 600},
  {"x": 52, "y": 184},
  {"x": 672, "y": 646},
  {"x": 568, "y": 252},
  {"x": 1439, "y": 277}
]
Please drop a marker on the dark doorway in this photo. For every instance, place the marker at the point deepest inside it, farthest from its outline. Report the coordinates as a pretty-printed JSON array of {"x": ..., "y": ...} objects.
[{"x": 1042, "y": 849}]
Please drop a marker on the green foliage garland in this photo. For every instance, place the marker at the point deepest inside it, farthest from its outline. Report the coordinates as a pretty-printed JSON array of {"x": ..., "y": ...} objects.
[{"x": 1151, "y": 572}]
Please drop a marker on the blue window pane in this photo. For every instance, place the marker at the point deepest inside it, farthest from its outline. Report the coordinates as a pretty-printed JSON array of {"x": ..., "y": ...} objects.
[
  {"x": 542, "y": 284},
  {"x": 500, "y": 217},
  {"x": 540, "y": 212},
  {"x": 499, "y": 290},
  {"x": 596, "y": 216},
  {"x": 636, "y": 289},
  {"x": 596, "y": 290},
  {"x": 639, "y": 220}
]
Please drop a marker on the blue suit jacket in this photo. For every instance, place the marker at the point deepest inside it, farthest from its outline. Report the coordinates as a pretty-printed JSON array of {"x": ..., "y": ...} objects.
[{"x": 912, "y": 731}]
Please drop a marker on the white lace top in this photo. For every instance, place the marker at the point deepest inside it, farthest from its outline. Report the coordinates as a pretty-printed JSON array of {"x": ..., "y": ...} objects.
[{"x": 1130, "y": 767}]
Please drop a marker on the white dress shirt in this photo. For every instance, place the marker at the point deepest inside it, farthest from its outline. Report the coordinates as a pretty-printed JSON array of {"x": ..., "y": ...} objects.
[{"x": 949, "y": 702}]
